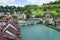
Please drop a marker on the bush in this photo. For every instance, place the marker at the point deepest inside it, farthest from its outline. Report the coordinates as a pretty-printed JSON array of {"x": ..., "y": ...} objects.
[
  {"x": 14, "y": 17},
  {"x": 1, "y": 17},
  {"x": 47, "y": 22},
  {"x": 54, "y": 23}
]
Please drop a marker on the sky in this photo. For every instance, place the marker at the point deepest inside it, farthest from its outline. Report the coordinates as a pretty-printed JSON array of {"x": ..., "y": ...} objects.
[{"x": 23, "y": 2}]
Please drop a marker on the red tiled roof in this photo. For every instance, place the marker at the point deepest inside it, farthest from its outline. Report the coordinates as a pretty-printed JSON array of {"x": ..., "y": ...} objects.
[{"x": 4, "y": 35}]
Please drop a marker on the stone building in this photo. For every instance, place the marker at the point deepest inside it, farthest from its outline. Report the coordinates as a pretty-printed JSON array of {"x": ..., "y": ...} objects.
[
  {"x": 58, "y": 21},
  {"x": 22, "y": 16},
  {"x": 48, "y": 16}
]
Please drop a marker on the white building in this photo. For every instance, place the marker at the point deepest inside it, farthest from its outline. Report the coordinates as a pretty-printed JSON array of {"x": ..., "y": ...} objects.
[
  {"x": 32, "y": 15},
  {"x": 24, "y": 16},
  {"x": 51, "y": 21},
  {"x": 48, "y": 16},
  {"x": 1, "y": 13}
]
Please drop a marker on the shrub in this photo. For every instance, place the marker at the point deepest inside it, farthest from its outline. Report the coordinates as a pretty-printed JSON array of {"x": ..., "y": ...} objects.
[
  {"x": 14, "y": 17},
  {"x": 54, "y": 23},
  {"x": 47, "y": 22},
  {"x": 1, "y": 17}
]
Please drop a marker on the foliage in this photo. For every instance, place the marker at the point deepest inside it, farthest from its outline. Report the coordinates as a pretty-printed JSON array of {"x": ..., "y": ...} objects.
[
  {"x": 47, "y": 22},
  {"x": 14, "y": 17},
  {"x": 1, "y": 17},
  {"x": 54, "y": 23}
]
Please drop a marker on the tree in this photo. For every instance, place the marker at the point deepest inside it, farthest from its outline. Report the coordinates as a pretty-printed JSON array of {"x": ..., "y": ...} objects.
[
  {"x": 47, "y": 22},
  {"x": 54, "y": 23}
]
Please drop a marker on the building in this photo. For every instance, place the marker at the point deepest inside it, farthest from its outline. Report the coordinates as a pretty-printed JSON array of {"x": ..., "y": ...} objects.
[
  {"x": 1, "y": 13},
  {"x": 9, "y": 29},
  {"x": 15, "y": 14},
  {"x": 48, "y": 16},
  {"x": 51, "y": 21},
  {"x": 32, "y": 15},
  {"x": 22, "y": 16},
  {"x": 58, "y": 21}
]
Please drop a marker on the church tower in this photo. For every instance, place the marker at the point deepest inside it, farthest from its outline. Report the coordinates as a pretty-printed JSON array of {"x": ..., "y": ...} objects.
[{"x": 47, "y": 15}]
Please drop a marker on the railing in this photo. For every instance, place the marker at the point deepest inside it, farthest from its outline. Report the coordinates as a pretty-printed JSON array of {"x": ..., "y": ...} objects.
[
  {"x": 28, "y": 22},
  {"x": 31, "y": 21}
]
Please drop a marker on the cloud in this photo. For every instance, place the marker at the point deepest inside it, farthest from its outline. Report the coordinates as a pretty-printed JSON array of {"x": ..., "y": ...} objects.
[
  {"x": 32, "y": 1},
  {"x": 13, "y": 5},
  {"x": 19, "y": 3},
  {"x": 6, "y": 1},
  {"x": 16, "y": 5},
  {"x": 10, "y": 3},
  {"x": 39, "y": 2}
]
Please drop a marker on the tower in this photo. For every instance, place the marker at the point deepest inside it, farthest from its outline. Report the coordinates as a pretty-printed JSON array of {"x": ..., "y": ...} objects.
[{"x": 47, "y": 15}]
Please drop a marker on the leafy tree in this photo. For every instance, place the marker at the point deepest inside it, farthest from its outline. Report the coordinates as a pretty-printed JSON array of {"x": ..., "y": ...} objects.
[{"x": 47, "y": 22}]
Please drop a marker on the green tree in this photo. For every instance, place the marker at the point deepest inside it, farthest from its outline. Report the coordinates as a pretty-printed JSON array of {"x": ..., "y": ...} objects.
[{"x": 47, "y": 22}]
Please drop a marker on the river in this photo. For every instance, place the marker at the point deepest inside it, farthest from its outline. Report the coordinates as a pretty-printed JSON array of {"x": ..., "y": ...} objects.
[{"x": 39, "y": 32}]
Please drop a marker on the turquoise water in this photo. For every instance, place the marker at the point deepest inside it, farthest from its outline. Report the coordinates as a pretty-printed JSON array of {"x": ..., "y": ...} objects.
[{"x": 39, "y": 32}]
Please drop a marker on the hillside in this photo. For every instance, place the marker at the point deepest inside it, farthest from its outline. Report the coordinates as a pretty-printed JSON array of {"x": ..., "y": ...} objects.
[
  {"x": 53, "y": 6},
  {"x": 35, "y": 9}
]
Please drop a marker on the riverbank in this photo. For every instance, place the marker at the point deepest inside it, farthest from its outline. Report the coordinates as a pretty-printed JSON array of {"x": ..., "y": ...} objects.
[{"x": 56, "y": 28}]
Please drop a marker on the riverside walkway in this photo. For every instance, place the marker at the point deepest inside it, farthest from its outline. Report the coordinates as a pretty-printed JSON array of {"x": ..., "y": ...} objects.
[{"x": 30, "y": 21}]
